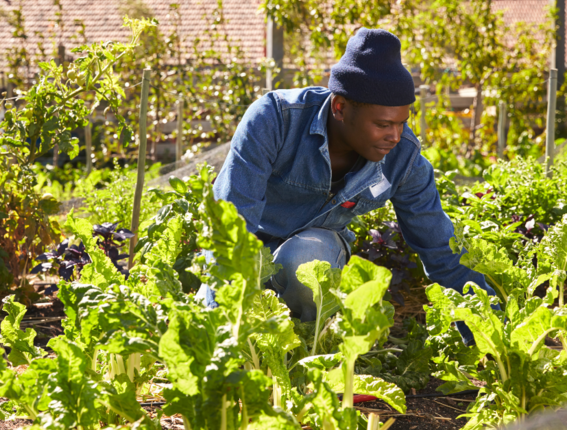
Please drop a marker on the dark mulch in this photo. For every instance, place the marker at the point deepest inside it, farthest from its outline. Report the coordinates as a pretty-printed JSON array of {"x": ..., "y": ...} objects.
[
  {"x": 44, "y": 318},
  {"x": 425, "y": 413}
]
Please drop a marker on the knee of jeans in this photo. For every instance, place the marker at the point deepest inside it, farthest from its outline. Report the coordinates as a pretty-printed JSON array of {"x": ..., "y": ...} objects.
[{"x": 312, "y": 244}]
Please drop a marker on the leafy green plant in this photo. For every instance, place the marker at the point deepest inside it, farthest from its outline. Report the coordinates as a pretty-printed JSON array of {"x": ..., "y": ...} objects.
[
  {"x": 522, "y": 374},
  {"x": 112, "y": 199},
  {"x": 50, "y": 111},
  {"x": 365, "y": 318}
]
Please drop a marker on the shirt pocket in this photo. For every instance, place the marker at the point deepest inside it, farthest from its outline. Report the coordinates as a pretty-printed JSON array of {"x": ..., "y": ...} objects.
[{"x": 364, "y": 206}]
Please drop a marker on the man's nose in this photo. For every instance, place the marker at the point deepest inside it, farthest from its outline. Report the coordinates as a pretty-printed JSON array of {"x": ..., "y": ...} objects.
[{"x": 395, "y": 134}]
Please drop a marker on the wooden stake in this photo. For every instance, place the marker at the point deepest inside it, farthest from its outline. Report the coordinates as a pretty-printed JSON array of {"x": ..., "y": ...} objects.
[
  {"x": 88, "y": 146},
  {"x": 501, "y": 128},
  {"x": 550, "y": 133},
  {"x": 423, "y": 125},
  {"x": 141, "y": 163},
  {"x": 60, "y": 62},
  {"x": 179, "y": 146}
]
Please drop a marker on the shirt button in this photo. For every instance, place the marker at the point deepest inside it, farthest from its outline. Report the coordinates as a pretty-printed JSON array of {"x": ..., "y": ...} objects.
[{"x": 334, "y": 202}]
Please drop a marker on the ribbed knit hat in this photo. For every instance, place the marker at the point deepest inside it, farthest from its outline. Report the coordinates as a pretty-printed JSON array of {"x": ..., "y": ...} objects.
[{"x": 371, "y": 70}]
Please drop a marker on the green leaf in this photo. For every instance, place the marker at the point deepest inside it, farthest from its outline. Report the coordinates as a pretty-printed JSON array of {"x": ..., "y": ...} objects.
[
  {"x": 74, "y": 395},
  {"x": 359, "y": 271},
  {"x": 275, "y": 341},
  {"x": 321, "y": 362},
  {"x": 20, "y": 342},
  {"x": 188, "y": 346},
  {"x": 269, "y": 268},
  {"x": 368, "y": 294},
  {"x": 280, "y": 422},
  {"x": 28, "y": 389},
  {"x": 369, "y": 385},
  {"x": 530, "y": 335},
  {"x": 320, "y": 278},
  {"x": 49, "y": 204},
  {"x": 101, "y": 272},
  {"x": 120, "y": 396},
  {"x": 178, "y": 185}
]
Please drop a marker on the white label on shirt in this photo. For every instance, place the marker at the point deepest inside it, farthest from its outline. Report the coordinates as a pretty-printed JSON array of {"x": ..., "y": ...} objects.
[{"x": 379, "y": 188}]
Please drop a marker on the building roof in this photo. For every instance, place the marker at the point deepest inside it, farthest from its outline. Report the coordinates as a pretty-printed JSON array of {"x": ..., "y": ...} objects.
[{"x": 103, "y": 21}]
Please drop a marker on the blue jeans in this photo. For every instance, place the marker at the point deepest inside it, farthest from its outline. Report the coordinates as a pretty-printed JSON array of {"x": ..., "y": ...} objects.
[{"x": 303, "y": 247}]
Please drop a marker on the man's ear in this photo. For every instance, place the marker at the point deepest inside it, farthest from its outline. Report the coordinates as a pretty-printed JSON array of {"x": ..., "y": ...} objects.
[{"x": 338, "y": 104}]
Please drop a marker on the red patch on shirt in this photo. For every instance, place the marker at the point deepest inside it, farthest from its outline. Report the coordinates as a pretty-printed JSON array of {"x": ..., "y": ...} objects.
[{"x": 348, "y": 205}]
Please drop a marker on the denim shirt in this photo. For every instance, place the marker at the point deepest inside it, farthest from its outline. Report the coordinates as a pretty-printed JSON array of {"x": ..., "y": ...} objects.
[{"x": 278, "y": 175}]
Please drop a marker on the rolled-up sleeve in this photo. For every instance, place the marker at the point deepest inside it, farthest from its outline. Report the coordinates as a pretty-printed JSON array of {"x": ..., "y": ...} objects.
[
  {"x": 427, "y": 229},
  {"x": 254, "y": 147}
]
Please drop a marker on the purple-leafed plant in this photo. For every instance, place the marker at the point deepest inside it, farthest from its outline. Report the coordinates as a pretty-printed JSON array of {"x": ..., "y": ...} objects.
[
  {"x": 70, "y": 260},
  {"x": 110, "y": 240}
]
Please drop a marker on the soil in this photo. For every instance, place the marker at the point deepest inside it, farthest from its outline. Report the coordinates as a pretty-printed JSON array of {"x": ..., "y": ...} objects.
[
  {"x": 45, "y": 318},
  {"x": 423, "y": 413}
]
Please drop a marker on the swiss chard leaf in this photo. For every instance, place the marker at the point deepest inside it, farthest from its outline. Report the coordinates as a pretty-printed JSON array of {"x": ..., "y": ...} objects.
[
  {"x": 320, "y": 278},
  {"x": 20, "y": 342}
]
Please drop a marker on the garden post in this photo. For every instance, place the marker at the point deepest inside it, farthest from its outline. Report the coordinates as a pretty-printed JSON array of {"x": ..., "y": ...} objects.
[
  {"x": 275, "y": 51},
  {"x": 179, "y": 145},
  {"x": 141, "y": 162},
  {"x": 88, "y": 146},
  {"x": 550, "y": 130},
  {"x": 60, "y": 61},
  {"x": 501, "y": 128},
  {"x": 423, "y": 125},
  {"x": 9, "y": 89}
]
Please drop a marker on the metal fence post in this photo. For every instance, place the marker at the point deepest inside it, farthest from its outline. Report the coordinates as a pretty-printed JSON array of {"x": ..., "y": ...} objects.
[
  {"x": 550, "y": 131},
  {"x": 501, "y": 128},
  {"x": 141, "y": 162},
  {"x": 423, "y": 125}
]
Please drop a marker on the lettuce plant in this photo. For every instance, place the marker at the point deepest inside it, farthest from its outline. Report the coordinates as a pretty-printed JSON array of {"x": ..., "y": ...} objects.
[
  {"x": 522, "y": 375},
  {"x": 364, "y": 319}
]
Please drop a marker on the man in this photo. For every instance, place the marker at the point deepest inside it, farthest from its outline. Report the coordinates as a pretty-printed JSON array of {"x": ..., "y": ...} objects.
[{"x": 304, "y": 162}]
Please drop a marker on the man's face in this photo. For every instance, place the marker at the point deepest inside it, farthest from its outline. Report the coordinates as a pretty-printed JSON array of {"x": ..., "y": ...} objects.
[{"x": 370, "y": 130}]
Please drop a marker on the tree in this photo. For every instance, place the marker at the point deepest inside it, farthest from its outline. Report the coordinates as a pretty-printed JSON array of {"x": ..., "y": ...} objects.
[{"x": 450, "y": 42}]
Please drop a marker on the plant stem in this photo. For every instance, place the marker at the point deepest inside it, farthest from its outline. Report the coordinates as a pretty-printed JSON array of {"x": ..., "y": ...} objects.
[
  {"x": 348, "y": 400},
  {"x": 186, "y": 423},
  {"x": 277, "y": 393},
  {"x": 380, "y": 351},
  {"x": 244, "y": 422},
  {"x": 223, "y": 413},
  {"x": 561, "y": 293},
  {"x": 255, "y": 358},
  {"x": 302, "y": 412},
  {"x": 93, "y": 363},
  {"x": 388, "y": 424},
  {"x": 373, "y": 422}
]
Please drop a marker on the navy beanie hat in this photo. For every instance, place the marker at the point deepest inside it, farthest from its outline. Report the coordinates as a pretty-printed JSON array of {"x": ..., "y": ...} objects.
[{"x": 371, "y": 71}]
